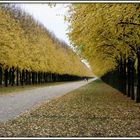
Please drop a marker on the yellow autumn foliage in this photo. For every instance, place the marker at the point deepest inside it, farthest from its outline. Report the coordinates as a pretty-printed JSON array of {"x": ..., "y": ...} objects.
[
  {"x": 26, "y": 44},
  {"x": 105, "y": 33}
]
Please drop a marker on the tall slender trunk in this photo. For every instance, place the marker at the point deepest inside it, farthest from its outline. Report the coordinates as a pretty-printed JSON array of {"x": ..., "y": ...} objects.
[
  {"x": 132, "y": 73},
  {"x": 20, "y": 75},
  {"x": 132, "y": 80},
  {"x": 39, "y": 77},
  {"x": 45, "y": 77},
  {"x": 1, "y": 73},
  {"x": 6, "y": 77},
  {"x": 33, "y": 82},
  {"x": 138, "y": 79},
  {"x": 123, "y": 77},
  {"x": 26, "y": 78},
  {"x": 22, "y": 78},
  {"x": 10, "y": 76},
  {"x": 30, "y": 78},
  {"x": 17, "y": 74},
  {"x": 53, "y": 77},
  {"x": 48, "y": 77},
  {"x": 128, "y": 77},
  {"x": 36, "y": 77},
  {"x": 13, "y": 76}
]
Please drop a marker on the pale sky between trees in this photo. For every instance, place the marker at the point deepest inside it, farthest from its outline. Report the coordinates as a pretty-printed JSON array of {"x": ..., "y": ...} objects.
[{"x": 51, "y": 17}]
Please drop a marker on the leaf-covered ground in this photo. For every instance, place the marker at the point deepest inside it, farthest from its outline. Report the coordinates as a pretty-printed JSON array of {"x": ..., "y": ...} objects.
[{"x": 95, "y": 110}]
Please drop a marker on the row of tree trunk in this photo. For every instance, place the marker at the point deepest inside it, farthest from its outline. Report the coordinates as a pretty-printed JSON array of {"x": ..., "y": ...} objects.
[
  {"x": 126, "y": 78},
  {"x": 13, "y": 77}
]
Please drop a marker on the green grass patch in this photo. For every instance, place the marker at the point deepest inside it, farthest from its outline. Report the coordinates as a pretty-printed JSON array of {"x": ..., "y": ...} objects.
[{"x": 94, "y": 110}]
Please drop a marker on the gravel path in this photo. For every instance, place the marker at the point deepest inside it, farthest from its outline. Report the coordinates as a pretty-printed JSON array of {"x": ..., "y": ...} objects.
[{"x": 14, "y": 104}]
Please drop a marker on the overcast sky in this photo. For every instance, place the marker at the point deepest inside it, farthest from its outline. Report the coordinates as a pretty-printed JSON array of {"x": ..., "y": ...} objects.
[{"x": 52, "y": 18}]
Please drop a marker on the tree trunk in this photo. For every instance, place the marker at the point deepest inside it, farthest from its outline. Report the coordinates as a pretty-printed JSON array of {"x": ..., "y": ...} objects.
[
  {"x": 132, "y": 72},
  {"x": 6, "y": 77},
  {"x": 39, "y": 77},
  {"x": 26, "y": 78},
  {"x": 50, "y": 77},
  {"x": 1, "y": 75},
  {"x": 22, "y": 78},
  {"x": 121, "y": 76},
  {"x": 124, "y": 77},
  {"x": 138, "y": 80},
  {"x": 13, "y": 76},
  {"x": 128, "y": 77},
  {"x": 45, "y": 77},
  {"x": 33, "y": 78},
  {"x": 17, "y": 77},
  {"x": 30, "y": 78},
  {"x": 10, "y": 76}
]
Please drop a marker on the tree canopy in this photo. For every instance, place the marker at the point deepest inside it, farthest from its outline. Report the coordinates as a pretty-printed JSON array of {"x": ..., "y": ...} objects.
[
  {"x": 105, "y": 33},
  {"x": 27, "y": 44}
]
